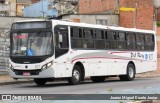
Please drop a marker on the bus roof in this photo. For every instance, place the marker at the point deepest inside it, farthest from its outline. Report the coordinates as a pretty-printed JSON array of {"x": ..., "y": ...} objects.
[{"x": 61, "y": 22}]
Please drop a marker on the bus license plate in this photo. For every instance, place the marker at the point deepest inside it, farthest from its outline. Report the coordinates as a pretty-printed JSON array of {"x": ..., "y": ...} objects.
[{"x": 26, "y": 73}]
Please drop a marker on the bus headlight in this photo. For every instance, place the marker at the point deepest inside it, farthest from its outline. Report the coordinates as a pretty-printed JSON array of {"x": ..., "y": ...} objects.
[
  {"x": 11, "y": 67},
  {"x": 46, "y": 66}
]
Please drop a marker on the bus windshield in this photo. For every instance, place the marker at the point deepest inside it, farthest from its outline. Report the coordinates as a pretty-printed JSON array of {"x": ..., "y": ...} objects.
[{"x": 31, "y": 44}]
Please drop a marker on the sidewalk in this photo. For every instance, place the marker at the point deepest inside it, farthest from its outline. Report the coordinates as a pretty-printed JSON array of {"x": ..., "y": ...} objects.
[{"x": 5, "y": 79}]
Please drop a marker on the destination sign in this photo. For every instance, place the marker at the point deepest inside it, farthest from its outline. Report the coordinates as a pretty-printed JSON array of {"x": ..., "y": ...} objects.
[{"x": 30, "y": 25}]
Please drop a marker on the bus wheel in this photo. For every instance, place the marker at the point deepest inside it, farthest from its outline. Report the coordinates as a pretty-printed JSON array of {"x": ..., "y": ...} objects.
[
  {"x": 40, "y": 81},
  {"x": 76, "y": 76},
  {"x": 98, "y": 79},
  {"x": 130, "y": 73}
]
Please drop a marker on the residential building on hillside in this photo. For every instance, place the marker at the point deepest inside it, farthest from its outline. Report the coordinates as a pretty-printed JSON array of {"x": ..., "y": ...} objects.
[
  {"x": 42, "y": 8},
  {"x": 7, "y": 8},
  {"x": 51, "y": 8},
  {"x": 20, "y": 4},
  {"x": 132, "y": 13}
]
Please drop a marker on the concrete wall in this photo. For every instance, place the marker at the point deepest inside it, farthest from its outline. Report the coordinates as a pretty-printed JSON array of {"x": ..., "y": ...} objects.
[
  {"x": 5, "y": 25},
  {"x": 91, "y": 19},
  {"x": 6, "y": 21}
]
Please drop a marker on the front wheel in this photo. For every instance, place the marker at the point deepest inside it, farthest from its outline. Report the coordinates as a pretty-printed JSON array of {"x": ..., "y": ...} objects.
[
  {"x": 130, "y": 73},
  {"x": 76, "y": 76},
  {"x": 40, "y": 81}
]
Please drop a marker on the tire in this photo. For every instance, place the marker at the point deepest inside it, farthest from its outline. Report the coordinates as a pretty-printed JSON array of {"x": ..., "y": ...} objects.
[
  {"x": 98, "y": 79},
  {"x": 130, "y": 73},
  {"x": 76, "y": 76},
  {"x": 40, "y": 81}
]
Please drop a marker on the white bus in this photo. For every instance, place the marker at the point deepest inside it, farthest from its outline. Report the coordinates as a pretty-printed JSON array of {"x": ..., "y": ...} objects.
[{"x": 46, "y": 50}]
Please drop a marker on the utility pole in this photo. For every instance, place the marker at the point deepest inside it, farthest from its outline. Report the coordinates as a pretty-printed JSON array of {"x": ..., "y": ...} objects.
[{"x": 42, "y": 10}]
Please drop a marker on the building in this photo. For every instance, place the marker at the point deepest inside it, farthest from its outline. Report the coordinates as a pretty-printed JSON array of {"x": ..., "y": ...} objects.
[
  {"x": 66, "y": 6},
  {"x": 20, "y": 4},
  {"x": 96, "y": 6},
  {"x": 7, "y": 7},
  {"x": 42, "y": 8},
  {"x": 99, "y": 18},
  {"x": 132, "y": 13}
]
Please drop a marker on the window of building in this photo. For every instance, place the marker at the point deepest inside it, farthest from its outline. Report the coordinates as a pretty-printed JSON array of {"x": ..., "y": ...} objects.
[{"x": 101, "y": 21}]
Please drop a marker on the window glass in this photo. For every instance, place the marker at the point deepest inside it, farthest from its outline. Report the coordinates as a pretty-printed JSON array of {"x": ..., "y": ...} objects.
[
  {"x": 149, "y": 42},
  {"x": 76, "y": 38},
  {"x": 99, "y": 34},
  {"x": 131, "y": 44},
  {"x": 111, "y": 42},
  {"x": 88, "y": 42},
  {"x": 99, "y": 39},
  {"x": 61, "y": 37},
  {"x": 121, "y": 37},
  {"x": 140, "y": 41},
  {"x": 76, "y": 33}
]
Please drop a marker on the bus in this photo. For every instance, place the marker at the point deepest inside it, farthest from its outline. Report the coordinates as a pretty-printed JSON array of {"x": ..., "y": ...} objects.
[{"x": 45, "y": 50}]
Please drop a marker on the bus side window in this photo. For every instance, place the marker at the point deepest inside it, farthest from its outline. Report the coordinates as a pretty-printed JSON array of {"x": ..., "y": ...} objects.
[
  {"x": 121, "y": 41},
  {"x": 140, "y": 41},
  {"x": 131, "y": 44},
  {"x": 88, "y": 41},
  {"x": 149, "y": 42},
  {"x": 76, "y": 38},
  {"x": 99, "y": 39},
  {"x": 111, "y": 36}
]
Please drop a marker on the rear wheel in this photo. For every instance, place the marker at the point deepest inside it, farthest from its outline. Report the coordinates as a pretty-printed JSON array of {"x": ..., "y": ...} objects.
[
  {"x": 40, "y": 81},
  {"x": 76, "y": 76},
  {"x": 130, "y": 73},
  {"x": 98, "y": 78}
]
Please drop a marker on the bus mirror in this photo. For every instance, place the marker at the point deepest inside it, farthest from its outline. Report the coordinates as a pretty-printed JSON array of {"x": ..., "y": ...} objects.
[{"x": 60, "y": 39}]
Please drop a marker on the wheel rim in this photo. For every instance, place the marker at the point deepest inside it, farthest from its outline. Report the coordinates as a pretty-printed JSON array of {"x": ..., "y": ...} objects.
[
  {"x": 131, "y": 72},
  {"x": 76, "y": 75}
]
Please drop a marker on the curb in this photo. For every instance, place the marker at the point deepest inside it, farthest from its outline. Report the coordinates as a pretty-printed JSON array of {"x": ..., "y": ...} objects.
[{"x": 15, "y": 82}]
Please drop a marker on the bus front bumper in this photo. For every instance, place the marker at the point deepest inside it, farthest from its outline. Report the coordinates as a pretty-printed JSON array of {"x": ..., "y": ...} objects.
[{"x": 31, "y": 74}]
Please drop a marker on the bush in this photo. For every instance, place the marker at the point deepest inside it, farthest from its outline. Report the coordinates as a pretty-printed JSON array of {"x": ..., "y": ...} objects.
[{"x": 158, "y": 23}]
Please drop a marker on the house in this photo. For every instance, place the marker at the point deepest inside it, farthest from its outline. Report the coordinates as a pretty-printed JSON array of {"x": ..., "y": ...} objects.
[{"x": 42, "y": 8}]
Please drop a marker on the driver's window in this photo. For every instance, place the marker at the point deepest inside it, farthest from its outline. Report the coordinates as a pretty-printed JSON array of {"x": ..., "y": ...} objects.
[{"x": 61, "y": 33}]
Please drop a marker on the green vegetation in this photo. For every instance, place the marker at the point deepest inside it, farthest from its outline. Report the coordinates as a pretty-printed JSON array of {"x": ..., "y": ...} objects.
[{"x": 158, "y": 23}]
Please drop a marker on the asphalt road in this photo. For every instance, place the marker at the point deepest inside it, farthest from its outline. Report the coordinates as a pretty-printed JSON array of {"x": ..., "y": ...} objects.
[{"x": 111, "y": 85}]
